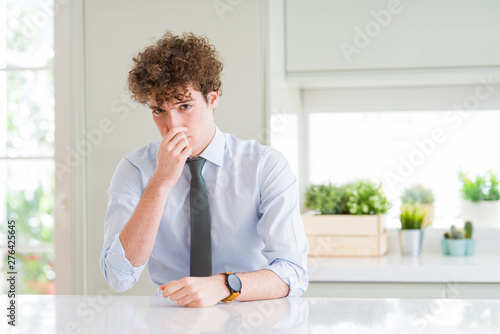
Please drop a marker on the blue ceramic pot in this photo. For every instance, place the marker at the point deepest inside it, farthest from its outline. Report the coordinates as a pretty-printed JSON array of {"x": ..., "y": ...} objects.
[
  {"x": 444, "y": 247},
  {"x": 456, "y": 247},
  {"x": 470, "y": 246}
]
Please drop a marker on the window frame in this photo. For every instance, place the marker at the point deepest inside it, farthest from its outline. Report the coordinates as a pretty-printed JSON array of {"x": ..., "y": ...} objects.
[{"x": 69, "y": 211}]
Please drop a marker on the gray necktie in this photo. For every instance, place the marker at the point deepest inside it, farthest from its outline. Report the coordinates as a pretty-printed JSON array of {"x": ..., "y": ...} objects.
[{"x": 201, "y": 244}]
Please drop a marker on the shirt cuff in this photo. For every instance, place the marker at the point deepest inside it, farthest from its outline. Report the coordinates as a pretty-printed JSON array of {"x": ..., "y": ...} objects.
[
  {"x": 292, "y": 274},
  {"x": 120, "y": 273}
]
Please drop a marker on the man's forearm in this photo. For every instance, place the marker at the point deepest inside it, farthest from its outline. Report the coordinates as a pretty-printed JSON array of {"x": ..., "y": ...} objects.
[
  {"x": 208, "y": 291},
  {"x": 261, "y": 284},
  {"x": 139, "y": 234}
]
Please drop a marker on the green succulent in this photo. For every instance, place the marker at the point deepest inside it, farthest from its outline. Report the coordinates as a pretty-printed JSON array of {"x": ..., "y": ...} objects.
[
  {"x": 455, "y": 233},
  {"x": 468, "y": 230}
]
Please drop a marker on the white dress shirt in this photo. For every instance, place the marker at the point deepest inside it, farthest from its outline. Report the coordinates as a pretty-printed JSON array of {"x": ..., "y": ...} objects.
[{"x": 254, "y": 209}]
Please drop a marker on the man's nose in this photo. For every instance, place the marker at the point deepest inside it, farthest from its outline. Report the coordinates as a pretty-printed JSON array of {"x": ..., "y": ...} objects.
[{"x": 173, "y": 119}]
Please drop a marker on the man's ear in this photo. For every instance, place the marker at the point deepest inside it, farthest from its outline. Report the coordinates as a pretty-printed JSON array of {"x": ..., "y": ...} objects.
[{"x": 213, "y": 99}]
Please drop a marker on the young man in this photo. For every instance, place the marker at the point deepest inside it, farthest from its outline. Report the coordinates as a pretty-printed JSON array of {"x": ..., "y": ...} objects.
[{"x": 215, "y": 218}]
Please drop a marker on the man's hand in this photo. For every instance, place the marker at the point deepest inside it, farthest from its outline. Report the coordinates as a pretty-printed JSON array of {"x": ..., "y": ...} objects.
[
  {"x": 197, "y": 291},
  {"x": 171, "y": 157}
]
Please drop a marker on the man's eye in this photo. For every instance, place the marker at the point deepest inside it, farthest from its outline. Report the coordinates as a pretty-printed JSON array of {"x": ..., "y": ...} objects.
[
  {"x": 185, "y": 106},
  {"x": 158, "y": 111}
]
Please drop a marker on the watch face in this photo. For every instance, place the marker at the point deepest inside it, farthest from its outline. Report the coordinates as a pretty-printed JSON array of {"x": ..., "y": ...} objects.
[{"x": 234, "y": 282}]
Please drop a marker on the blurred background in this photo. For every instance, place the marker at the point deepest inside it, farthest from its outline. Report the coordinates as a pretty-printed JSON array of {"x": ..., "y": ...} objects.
[{"x": 400, "y": 92}]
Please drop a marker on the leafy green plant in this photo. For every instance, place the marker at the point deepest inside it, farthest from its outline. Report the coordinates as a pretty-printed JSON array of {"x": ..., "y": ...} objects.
[
  {"x": 366, "y": 198},
  {"x": 417, "y": 194},
  {"x": 361, "y": 197},
  {"x": 412, "y": 216},
  {"x": 481, "y": 188},
  {"x": 327, "y": 199}
]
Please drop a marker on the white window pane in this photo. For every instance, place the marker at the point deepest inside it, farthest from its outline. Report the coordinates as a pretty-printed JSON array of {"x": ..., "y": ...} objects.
[
  {"x": 36, "y": 275},
  {"x": 28, "y": 114},
  {"x": 29, "y": 40},
  {"x": 3, "y": 114},
  {"x": 30, "y": 200}
]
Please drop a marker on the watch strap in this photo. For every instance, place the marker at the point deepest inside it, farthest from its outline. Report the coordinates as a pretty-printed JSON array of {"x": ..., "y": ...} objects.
[{"x": 234, "y": 294}]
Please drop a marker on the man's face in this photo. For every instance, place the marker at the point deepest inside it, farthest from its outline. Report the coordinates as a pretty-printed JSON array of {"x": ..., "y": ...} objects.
[{"x": 193, "y": 112}]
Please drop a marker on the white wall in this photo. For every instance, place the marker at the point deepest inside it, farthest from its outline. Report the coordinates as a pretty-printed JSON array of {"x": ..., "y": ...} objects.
[
  {"x": 339, "y": 35},
  {"x": 114, "y": 32}
]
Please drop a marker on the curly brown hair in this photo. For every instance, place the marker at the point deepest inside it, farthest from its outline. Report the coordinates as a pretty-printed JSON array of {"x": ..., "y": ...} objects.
[{"x": 167, "y": 67}]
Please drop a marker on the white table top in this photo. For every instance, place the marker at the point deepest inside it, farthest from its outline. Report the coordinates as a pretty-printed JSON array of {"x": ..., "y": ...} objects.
[
  {"x": 120, "y": 314},
  {"x": 429, "y": 267}
]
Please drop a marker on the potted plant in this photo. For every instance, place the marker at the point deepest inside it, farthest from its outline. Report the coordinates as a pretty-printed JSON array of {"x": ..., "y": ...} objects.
[
  {"x": 411, "y": 234},
  {"x": 346, "y": 220},
  {"x": 481, "y": 199},
  {"x": 459, "y": 242},
  {"x": 425, "y": 197}
]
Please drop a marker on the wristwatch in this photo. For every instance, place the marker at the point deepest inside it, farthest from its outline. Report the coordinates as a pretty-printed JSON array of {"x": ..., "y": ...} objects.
[{"x": 233, "y": 283}]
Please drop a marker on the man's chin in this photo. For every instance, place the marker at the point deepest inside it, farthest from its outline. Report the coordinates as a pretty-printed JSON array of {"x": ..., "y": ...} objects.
[{"x": 195, "y": 153}]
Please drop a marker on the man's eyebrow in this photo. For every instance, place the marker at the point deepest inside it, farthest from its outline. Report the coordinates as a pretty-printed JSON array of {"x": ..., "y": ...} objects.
[{"x": 176, "y": 103}]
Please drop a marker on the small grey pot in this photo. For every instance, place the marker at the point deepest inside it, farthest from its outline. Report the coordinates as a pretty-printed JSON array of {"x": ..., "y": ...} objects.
[{"x": 411, "y": 242}]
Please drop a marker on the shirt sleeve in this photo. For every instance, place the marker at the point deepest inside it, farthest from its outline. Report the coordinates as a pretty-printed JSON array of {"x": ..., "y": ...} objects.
[
  {"x": 280, "y": 225},
  {"x": 124, "y": 192}
]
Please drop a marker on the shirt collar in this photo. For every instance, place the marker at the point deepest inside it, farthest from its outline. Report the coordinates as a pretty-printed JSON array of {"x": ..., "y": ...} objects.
[{"x": 214, "y": 152}]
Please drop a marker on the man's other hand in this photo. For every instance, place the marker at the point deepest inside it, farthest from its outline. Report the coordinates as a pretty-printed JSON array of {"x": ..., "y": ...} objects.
[{"x": 197, "y": 291}]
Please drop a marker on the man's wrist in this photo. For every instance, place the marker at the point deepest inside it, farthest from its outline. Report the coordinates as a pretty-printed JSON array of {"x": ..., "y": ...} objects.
[
  {"x": 160, "y": 184},
  {"x": 225, "y": 292}
]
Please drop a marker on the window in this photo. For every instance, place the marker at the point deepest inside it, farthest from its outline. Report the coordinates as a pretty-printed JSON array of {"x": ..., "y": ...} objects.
[
  {"x": 403, "y": 148},
  {"x": 27, "y": 139},
  {"x": 342, "y": 138}
]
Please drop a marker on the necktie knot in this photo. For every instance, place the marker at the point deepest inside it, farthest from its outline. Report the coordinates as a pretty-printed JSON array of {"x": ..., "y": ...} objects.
[{"x": 196, "y": 165}]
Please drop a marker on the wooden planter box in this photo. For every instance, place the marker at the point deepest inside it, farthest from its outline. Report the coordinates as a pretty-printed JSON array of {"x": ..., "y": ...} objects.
[{"x": 345, "y": 235}]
